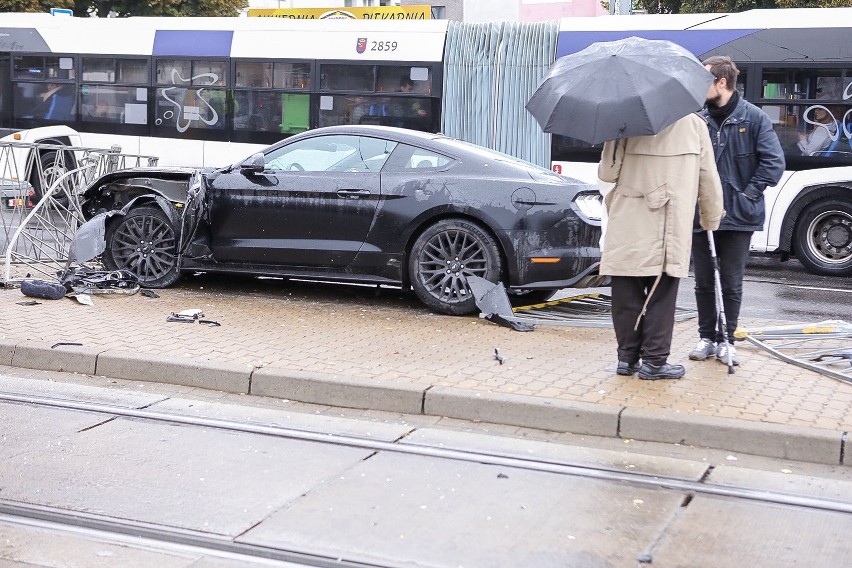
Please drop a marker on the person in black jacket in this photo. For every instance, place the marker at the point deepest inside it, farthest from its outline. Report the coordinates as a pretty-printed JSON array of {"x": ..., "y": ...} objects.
[{"x": 749, "y": 158}]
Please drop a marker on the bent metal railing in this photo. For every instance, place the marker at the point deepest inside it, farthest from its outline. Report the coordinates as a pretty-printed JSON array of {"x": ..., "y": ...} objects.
[{"x": 40, "y": 185}]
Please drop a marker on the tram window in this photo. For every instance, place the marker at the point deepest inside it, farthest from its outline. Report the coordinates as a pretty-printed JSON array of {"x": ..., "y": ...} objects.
[
  {"x": 394, "y": 78},
  {"x": 292, "y": 76},
  {"x": 99, "y": 70},
  {"x": 209, "y": 73},
  {"x": 131, "y": 71},
  {"x": 347, "y": 77},
  {"x": 29, "y": 67},
  {"x": 404, "y": 112}
]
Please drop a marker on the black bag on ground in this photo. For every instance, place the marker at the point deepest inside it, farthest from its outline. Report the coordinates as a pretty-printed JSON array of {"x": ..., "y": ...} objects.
[{"x": 43, "y": 289}]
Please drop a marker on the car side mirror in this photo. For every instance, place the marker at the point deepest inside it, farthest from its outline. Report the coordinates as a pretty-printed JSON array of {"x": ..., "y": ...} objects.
[{"x": 254, "y": 164}]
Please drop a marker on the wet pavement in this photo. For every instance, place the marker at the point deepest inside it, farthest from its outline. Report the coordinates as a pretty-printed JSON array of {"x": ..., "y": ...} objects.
[{"x": 385, "y": 337}]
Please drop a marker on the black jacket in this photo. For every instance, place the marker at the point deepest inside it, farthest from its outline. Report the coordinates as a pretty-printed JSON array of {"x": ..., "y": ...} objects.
[{"x": 749, "y": 158}]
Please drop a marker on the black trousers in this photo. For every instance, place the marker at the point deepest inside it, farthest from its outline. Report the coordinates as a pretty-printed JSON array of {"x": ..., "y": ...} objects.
[
  {"x": 732, "y": 251},
  {"x": 652, "y": 339}
]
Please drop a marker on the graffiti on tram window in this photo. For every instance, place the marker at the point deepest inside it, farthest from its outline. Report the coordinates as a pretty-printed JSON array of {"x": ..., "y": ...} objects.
[{"x": 189, "y": 102}]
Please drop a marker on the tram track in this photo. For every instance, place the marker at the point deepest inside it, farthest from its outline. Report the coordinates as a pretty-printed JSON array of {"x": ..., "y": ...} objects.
[{"x": 687, "y": 486}]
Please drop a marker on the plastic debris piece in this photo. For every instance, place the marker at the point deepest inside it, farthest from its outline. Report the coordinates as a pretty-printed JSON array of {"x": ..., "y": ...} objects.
[
  {"x": 498, "y": 356},
  {"x": 149, "y": 293},
  {"x": 29, "y": 303},
  {"x": 502, "y": 476},
  {"x": 210, "y": 323},
  {"x": 84, "y": 299},
  {"x": 66, "y": 343},
  {"x": 731, "y": 458},
  {"x": 644, "y": 559}
]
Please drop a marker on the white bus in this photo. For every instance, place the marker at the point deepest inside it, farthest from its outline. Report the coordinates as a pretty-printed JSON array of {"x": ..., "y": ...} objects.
[
  {"x": 209, "y": 91},
  {"x": 796, "y": 64}
]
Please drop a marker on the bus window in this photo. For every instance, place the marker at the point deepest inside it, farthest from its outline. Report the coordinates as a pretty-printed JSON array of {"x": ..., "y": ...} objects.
[
  {"x": 347, "y": 78},
  {"x": 106, "y": 98},
  {"x": 44, "y": 67},
  {"x": 187, "y": 102},
  {"x": 5, "y": 97},
  {"x": 262, "y": 103},
  {"x": 45, "y": 101},
  {"x": 295, "y": 76},
  {"x": 393, "y": 78},
  {"x": 810, "y": 122}
]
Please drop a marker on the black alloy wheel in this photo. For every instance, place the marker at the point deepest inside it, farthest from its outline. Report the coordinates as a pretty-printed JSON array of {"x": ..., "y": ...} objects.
[
  {"x": 823, "y": 238},
  {"x": 442, "y": 258},
  {"x": 143, "y": 241}
]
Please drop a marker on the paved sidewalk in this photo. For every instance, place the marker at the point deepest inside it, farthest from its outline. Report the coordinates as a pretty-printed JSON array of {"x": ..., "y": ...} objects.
[{"x": 361, "y": 348}]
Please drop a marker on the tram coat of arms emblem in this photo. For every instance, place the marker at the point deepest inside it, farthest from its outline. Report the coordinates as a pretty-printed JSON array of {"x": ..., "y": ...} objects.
[{"x": 361, "y": 45}]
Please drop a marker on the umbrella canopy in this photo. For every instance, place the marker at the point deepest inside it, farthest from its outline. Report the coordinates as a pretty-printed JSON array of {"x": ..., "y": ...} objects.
[{"x": 616, "y": 89}]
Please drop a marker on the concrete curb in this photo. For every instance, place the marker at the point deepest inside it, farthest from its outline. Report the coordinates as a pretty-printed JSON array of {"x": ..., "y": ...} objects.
[
  {"x": 524, "y": 411},
  {"x": 7, "y": 351},
  {"x": 813, "y": 445},
  {"x": 65, "y": 358},
  {"x": 756, "y": 438},
  {"x": 391, "y": 396},
  {"x": 227, "y": 377}
]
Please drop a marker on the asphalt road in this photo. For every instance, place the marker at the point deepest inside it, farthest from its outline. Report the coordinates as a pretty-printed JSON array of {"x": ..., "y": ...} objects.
[{"x": 786, "y": 291}]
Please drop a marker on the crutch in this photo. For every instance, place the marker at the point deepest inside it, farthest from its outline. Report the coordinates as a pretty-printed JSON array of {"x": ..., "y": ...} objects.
[{"x": 723, "y": 324}]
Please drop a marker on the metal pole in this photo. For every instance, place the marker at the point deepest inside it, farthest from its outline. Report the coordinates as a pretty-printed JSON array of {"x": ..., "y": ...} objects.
[{"x": 723, "y": 324}]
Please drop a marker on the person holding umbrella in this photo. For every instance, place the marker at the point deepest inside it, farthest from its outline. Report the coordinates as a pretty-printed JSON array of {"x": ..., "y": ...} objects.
[
  {"x": 658, "y": 181},
  {"x": 749, "y": 158},
  {"x": 640, "y": 97}
]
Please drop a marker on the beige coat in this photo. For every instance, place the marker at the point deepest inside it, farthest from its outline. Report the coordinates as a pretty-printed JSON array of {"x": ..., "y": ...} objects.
[{"x": 651, "y": 209}]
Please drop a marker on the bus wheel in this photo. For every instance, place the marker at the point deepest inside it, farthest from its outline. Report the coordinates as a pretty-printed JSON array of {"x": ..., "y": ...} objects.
[
  {"x": 143, "y": 241},
  {"x": 824, "y": 237},
  {"x": 442, "y": 258},
  {"x": 52, "y": 169}
]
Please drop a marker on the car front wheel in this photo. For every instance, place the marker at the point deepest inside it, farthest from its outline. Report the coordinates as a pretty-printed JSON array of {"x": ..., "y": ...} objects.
[
  {"x": 443, "y": 257},
  {"x": 824, "y": 237},
  {"x": 143, "y": 242}
]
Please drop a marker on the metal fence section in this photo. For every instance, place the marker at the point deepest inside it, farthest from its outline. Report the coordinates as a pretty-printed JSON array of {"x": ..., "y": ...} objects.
[
  {"x": 40, "y": 185},
  {"x": 824, "y": 347}
]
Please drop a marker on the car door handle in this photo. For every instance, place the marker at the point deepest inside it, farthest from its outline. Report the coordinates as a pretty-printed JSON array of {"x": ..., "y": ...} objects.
[{"x": 353, "y": 193}]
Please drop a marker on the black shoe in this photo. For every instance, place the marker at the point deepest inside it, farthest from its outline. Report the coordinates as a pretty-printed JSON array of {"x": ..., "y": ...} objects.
[
  {"x": 625, "y": 369},
  {"x": 650, "y": 372}
]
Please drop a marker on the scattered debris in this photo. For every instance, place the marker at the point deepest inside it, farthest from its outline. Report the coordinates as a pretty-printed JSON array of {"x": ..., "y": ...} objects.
[
  {"x": 65, "y": 343},
  {"x": 498, "y": 356},
  {"x": 87, "y": 281},
  {"x": 210, "y": 323},
  {"x": 502, "y": 476},
  {"x": 84, "y": 299},
  {"x": 30, "y": 303},
  {"x": 192, "y": 316},
  {"x": 149, "y": 293}
]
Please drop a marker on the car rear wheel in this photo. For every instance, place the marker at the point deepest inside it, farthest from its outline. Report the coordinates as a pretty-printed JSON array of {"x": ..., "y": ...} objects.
[
  {"x": 824, "y": 237},
  {"x": 143, "y": 241},
  {"x": 443, "y": 257}
]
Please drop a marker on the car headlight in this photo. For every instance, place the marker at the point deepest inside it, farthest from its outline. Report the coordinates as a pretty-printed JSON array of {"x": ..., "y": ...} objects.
[{"x": 590, "y": 205}]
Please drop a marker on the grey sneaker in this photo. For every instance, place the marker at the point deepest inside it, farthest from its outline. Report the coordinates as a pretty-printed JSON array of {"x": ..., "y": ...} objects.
[
  {"x": 722, "y": 353},
  {"x": 703, "y": 350}
]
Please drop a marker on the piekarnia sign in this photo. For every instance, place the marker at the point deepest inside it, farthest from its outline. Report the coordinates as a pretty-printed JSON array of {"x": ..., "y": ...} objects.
[{"x": 419, "y": 12}]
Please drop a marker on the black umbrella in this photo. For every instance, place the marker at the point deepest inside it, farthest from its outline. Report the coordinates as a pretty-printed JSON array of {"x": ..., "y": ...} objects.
[{"x": 616, "y": 89}]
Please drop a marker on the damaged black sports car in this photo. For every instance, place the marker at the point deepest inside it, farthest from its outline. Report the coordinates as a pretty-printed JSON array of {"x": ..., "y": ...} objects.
[{"x": 365, "y": 204}]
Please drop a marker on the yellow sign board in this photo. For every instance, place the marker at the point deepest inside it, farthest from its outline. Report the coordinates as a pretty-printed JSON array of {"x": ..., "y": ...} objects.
[{"x": 418, "y": 12}]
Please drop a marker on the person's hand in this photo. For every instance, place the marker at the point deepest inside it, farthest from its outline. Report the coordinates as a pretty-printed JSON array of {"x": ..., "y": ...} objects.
[{"x": 803, "y": 136}]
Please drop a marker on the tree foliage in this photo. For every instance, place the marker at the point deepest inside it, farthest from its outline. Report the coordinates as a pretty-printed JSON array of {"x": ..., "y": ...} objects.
[{"x": 102, "y": 8}]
